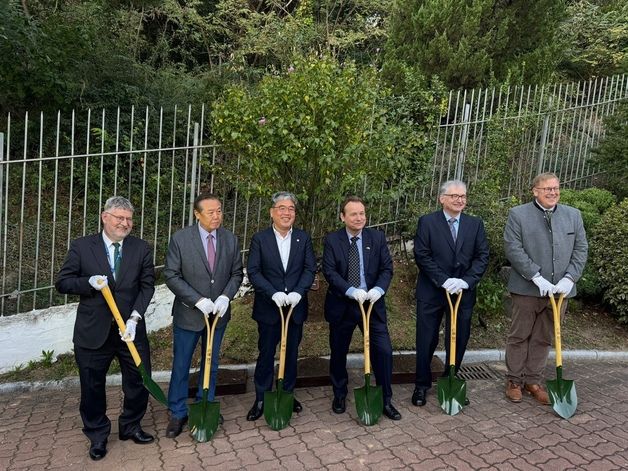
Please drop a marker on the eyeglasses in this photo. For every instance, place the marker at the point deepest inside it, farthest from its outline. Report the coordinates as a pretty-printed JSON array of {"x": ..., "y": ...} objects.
[
  {"x": 456, "y": 197},
  {"x": 549, "y": 189},
  {"x": 285, "y": 209},
  {"x": 120, "y": 219}
]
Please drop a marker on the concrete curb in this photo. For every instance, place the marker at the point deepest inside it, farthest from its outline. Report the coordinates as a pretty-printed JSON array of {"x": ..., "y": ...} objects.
[{"x": 354, "y": 360}]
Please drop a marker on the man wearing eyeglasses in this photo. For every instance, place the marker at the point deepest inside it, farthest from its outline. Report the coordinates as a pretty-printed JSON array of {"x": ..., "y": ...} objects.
[
  {"x": 547, "y": 247},
  {"x": 451, "y": 252},
  {"x": 281, "y": 267},
  {"x": 204, "y": 271},
  {"x": 124, "y": 263}
]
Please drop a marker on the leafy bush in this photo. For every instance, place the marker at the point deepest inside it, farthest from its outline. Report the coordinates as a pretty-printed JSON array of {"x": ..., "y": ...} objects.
[{"x": 610, "y": 257}]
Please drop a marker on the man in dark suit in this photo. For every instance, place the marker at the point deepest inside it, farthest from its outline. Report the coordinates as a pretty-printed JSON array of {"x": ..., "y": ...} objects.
[
  {"x": 204, "y": 271},
  {"x": 358, "y": 267},
  {"x": 451, "y": 252},
  {"x": 281, "y": 268},
  {"x": 125, "y": 263}
]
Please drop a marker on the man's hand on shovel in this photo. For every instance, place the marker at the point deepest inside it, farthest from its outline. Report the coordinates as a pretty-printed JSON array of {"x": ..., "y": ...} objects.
[{"x": 98, "y": 282}]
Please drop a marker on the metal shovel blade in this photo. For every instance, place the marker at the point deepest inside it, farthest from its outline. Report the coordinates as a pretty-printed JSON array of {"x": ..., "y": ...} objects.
[
  {"x": 152, "y": 387},
  {"x": 369, "y": 402},
  {"x": 562, "y": 394},
  {"x": 452, "y": 393},
  {"x": 204, "y": 418},
  {"x": 278, "y": 407}
]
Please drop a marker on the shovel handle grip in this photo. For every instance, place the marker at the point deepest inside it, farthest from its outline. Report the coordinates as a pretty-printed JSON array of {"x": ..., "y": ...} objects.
[
  {"x": 208, "y": 349},
  {"x": 556, "y": 307},
  {"x": 106, "y": 292},
  {"x": 366, "y": 320},
  {"x": 284, "y": 340}
]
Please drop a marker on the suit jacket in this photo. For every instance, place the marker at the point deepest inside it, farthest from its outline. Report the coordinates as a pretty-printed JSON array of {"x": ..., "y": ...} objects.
[
  {"x": 378, "y": 271},
  {"x": 188, "y": 276},
  {"x": 132, "y": 290},
  {"x": 439, "y": 257},
  {"x": 268, "y": 276},
  {"x": 532, "y": 247}
]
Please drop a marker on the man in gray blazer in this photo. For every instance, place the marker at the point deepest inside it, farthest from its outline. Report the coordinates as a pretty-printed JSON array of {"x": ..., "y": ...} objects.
[
  {"x": 547, "y": 247},
  {"x": 204, "y": 271}
]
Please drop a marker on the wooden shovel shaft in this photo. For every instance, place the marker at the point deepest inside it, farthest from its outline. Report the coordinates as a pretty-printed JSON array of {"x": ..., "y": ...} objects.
[
  {"x": 366, "y": 320},
  {"x": 208, "y": 349},
  {"x": 284, "y": 340},
  {"x": 557, "y": 340},
  {"x": 453, "y": 323},
  {"x": 106, "y": 292}
]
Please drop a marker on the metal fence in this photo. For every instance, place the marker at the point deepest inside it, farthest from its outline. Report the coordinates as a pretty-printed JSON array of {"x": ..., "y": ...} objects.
[{"x": 57, "y": 171}]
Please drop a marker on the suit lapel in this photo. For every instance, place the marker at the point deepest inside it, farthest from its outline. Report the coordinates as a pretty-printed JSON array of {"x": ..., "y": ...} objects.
[
  {"x": 462, "y": 226},
  {"x": 295, "y": 245},
  {"x": 443, "y": 224},
  {"x": 197, "y": 242},
  {"x": 366, "y": 250}
]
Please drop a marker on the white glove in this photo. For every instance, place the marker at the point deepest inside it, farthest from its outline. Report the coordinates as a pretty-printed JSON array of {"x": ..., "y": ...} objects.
[
  {"x": 359, "y": 295},
  {"x": 205, "y": 305},
  {"x": 293, "y": 298},
  {"x": 129, "y": 330},
  {"x": 280, "y": 298},
  {"x": 221, "y": 305},
  {"x": 545, "y": 287},
  {"x": 455, "y": 285},
  {"x": 564, "y": 286},
  {"x": 373, "y": 295},
  {"x": 98, "y": 281}
]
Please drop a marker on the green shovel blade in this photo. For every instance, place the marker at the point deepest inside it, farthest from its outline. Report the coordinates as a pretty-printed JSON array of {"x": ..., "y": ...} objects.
[
  {"x": 204, "y": 418},
  {"x": 152, "y": 386},
  {"x": 452, "y": 393},
  {"x": 562, "y": 394},
  {"x": 278, "y": 407},
  {"x": 369, "y": 402}
]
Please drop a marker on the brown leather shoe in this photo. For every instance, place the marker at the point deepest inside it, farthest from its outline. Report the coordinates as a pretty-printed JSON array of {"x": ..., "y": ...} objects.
[
  {"x": 537, "y": 391},
  {"x": 513, "y": 391}
]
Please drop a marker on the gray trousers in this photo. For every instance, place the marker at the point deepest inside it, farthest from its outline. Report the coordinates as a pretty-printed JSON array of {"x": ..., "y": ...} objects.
[{"x": 530, "y": 338}]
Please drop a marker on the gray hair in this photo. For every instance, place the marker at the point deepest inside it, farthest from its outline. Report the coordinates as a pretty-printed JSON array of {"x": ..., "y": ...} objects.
[
  {"x": 118, "y": 202},
  {"x": 445, "y": 186},
  {"x": 284, "y": 195}
]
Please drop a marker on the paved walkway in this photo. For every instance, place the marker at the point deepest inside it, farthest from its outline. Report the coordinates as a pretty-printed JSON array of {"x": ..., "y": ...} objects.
[{"x": 42, "y": 430}]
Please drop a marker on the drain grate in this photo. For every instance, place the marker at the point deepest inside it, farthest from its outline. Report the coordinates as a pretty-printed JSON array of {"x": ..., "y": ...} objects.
[{"x": 477, "y": 371}]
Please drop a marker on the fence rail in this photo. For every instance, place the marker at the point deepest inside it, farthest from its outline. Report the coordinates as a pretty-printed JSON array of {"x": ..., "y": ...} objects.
[{"x": 56, "y": 172}]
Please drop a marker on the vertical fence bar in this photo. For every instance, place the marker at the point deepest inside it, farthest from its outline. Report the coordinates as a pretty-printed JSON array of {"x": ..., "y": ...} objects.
[
  {"x": 86, "y": 188},
  {"x": 144, "y": 167},
  {"x": 55, "y": 197},
  {"x": 38, "y": 223},
  {"x": 193, "y": 175},
  {"x": 156, "y": 231},
  {"x": 102, "y": 165},
  {"x": 22, "y": 204},
  {"x": 4, "y": 208},
  {"x": 185, "y": 175}
]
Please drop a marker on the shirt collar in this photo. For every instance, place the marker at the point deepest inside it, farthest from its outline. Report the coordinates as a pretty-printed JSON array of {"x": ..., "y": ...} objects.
[
  {"x": 449, "y": 216},
  {"x": 350, "y": 236},
  {"x": 278, "y": 234},
  {"x": 204, "y": 233},
  {"x": 109, "y": 242},
  {"x": 543, "y": 208}
]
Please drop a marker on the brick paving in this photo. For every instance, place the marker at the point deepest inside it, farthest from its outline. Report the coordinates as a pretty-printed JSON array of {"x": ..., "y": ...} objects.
[{"x": 42, "y": 430}]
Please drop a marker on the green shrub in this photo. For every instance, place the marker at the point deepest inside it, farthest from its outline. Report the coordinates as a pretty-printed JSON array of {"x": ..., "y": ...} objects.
[{"x": 609, "y": 257}]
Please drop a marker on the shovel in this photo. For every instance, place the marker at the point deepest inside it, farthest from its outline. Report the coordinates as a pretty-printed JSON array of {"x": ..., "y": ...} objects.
[
  {"x": 152, "y": 386},
  {"x": 369, "y": 400},
  {"x": 562, "y": 392},
  {"x": 204, "y": 416},
  {"x": 452, "y": 391},
  {"x": 278, "y": 404}
]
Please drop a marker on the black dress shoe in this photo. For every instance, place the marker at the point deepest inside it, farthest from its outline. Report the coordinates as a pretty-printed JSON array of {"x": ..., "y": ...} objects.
[
  {"x": 98, "y": 450},
  {"x": 297, "y": 407},
  {"x": 175, "y": 427},
  {"x": 418, "y": 397},
  {"x": 140, "y": 437},
  {"x": 256, "y": 411},
  {"x": 339, "y": 405},
  {"x": 391, "y": 412}
]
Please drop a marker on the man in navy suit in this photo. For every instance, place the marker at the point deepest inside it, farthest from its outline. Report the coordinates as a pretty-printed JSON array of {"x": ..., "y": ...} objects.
[
  {"x": 350, "y": 284},
  {"x": 125, "y": 263},
  {"x": 281, "y": 268},
  {"x": 451, "y": 252}
]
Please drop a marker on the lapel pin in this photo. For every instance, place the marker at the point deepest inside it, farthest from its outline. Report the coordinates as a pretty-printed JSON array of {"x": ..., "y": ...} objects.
[
  {"x": 298, "y": 240},
  {"x": 368, "y": 248}
]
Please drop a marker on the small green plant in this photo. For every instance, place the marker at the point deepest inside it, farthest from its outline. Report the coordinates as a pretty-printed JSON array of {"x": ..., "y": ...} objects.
[
  {"x": 48, "y": 358},
  {"x": 490, "y": 296}
]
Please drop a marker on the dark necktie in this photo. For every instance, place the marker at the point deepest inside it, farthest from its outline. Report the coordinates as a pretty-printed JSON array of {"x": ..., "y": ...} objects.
[
  {"x": 354, "y": 263},
  {"x": 451, "y": 222},
  {"x": 211, "y": 252},
  {"x": 548, "y": 219},
  {"x": 116, "y": 260}
]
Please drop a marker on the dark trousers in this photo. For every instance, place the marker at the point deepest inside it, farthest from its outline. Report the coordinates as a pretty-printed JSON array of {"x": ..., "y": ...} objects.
[
  {"x": 93, "y": 366},
  {"x": 269, "y": 338},
  {"x": 380, "y": 351},
  {"x": 428, "y": 321}
]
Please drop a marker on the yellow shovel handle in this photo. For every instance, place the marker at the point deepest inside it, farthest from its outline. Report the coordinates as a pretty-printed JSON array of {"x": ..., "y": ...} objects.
[
  {"x": 366, "y": 320},
  {"x": 284, "y": 340},
  {"x": 106, "y": 292},
  {"x": 453, "y": 324},
  {"x": 208, "y": 349},
  {"x": 556, "y": 313}
]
